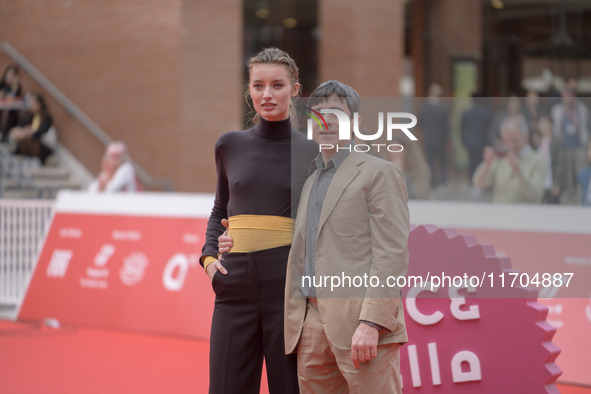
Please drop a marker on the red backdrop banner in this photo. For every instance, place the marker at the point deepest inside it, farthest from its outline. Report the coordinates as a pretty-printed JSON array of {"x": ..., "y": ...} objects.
[{"x": 135, "y": 266}]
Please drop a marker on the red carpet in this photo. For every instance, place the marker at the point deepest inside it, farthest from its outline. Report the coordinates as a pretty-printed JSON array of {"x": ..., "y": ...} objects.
[{"x": 75, "y": 360}]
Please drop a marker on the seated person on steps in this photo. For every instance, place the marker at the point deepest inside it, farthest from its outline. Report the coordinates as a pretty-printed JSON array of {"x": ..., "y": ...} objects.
[{"x": 117, "y": 173}]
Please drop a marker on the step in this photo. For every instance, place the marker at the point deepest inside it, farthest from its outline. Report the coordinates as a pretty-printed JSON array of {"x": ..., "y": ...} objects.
[
  {"x": 33, "y": 162},
  {"x": 58, "y": 184},
  {"x": 53, "y": 160},
  {"x": 18, "y": 194},
  {"x": 52, "y": 172},
  {"x": 12, "y": 184},
  {"x": 48, "y": 184}
]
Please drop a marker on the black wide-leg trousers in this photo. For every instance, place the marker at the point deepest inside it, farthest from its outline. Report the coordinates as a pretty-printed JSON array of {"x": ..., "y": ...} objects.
[{"x": 247, "y": 325}]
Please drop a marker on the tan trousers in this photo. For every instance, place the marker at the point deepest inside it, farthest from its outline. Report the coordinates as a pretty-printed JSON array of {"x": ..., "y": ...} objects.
[{"x": 324, "y": 369}]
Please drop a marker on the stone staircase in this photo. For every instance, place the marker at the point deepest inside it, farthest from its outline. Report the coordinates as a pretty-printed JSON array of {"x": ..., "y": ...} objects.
[{"x": 58, "y": 173}]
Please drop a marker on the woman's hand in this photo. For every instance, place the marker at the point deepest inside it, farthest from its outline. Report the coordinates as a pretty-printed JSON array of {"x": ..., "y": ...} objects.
[
  {"x": 224, "y": 246},
  {"x": 213, "y": 267},
  {"x": 225, "y": 242},
  {"x": 21, "y": 133}
]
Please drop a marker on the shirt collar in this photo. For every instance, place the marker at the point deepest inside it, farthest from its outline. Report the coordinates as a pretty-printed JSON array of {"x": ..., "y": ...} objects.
[{"x": 318, "y": 163}]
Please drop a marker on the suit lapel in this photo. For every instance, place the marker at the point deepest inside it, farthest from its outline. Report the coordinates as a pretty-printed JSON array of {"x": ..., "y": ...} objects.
[{"x": 342, "y": 178}]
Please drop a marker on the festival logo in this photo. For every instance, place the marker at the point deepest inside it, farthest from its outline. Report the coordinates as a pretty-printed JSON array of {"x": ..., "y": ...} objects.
[
  {"x": 97, "y": 275},
  {"x": 134, "y": 268},
  {"x": 58, "y": 265}
]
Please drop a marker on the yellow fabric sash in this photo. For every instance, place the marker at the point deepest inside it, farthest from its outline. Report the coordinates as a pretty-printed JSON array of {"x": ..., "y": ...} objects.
[
  {"x": 251, "y": 233},
  {"x": 258, "y": 232}
]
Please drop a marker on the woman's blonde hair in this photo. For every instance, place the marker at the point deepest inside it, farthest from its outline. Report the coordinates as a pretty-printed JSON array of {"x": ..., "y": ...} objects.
[{"x": 272, "y": 56}]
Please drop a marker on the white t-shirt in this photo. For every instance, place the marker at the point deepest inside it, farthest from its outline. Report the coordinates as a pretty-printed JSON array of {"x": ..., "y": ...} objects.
[{"x": 123, "y": 180}]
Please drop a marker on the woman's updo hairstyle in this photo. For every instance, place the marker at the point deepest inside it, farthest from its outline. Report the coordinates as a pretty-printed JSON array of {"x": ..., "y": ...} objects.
[{"x": 273, "y": 56}]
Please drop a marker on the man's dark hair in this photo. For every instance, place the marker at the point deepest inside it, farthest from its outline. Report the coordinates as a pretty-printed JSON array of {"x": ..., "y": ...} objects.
[{"x": 339, "y": 89}]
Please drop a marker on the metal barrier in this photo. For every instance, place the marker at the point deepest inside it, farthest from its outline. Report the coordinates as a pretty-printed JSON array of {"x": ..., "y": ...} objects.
[
  {"x": 22, "y": 228},
  {"x": 10, "y": 168}
]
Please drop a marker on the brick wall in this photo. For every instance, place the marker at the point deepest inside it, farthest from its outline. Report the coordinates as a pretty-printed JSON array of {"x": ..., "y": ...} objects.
[
  {"x": 211, "y": 92},
  {"x": 362, "y": 44},
  {"x": 148, "y": 72},
  {"x": 455, "y": 32}
]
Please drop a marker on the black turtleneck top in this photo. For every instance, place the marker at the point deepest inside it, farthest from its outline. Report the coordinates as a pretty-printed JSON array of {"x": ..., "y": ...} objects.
[{"x": 258, "y": 174}]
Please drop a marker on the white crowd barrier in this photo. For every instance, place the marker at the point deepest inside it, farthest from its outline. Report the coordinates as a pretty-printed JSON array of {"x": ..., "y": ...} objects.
[{"x": 22, "y": 227}]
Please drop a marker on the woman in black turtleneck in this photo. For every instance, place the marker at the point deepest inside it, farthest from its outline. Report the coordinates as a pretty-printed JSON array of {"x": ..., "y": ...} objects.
[{"x": 256, "y": 182}]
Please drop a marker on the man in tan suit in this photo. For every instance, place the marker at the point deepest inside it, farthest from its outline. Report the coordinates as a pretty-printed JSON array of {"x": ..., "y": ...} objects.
[{"x": 352, "y": 225}]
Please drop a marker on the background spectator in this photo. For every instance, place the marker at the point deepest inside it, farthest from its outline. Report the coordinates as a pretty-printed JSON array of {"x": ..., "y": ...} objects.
[
  {"x": 474, "y": 129},
  {"x": 512, "y": 108},
  {"x": 554, "y": 162},
  {"x": 570, "y": 118},
  {"x": 516, "y": 174},
  {"x": 413, "y": 165},
  {"x": 433, "y": 120},
  {"x": 117, "y": 173},
  {"x": 35, "y": 136},
  {"x": 585, "y": 179},
  {"x": 10, "y": 89},
  {"x": 532, "y": 111}
]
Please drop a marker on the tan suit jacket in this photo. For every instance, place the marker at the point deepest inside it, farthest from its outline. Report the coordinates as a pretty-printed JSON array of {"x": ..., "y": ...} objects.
[{"x": 363, "y": 229}]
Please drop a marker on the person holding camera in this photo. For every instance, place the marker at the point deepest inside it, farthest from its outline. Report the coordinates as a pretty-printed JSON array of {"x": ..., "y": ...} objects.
[{"x": 515, "y": 172}]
